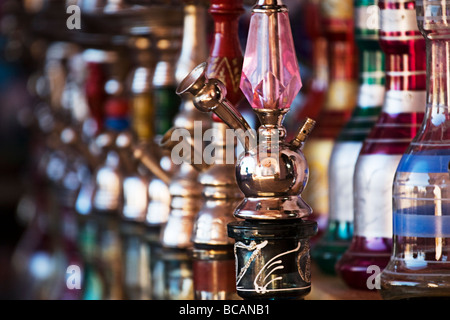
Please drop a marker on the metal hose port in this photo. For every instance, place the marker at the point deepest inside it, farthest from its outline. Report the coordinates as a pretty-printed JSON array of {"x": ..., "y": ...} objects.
[{"x": 194, "y": 81}]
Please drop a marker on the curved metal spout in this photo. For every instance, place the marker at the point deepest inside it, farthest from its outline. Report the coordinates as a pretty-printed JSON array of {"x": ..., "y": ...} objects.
[
  {"x": 209, "y": 96},
  {"x": 141, "y": 152}
]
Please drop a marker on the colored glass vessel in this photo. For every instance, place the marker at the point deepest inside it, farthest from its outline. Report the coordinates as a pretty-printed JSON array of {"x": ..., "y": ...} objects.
[
  {"x": 338, "y": 29},
  {"x": 338, "y": 235},
  {"x": 419, "y": 267},
  {"x": 398, "y": 123}
]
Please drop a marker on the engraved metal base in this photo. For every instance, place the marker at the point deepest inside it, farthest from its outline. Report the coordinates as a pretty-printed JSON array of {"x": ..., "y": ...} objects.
[
  {"x": 270, "y": 208},
  {"x": 273, "y": 258}
]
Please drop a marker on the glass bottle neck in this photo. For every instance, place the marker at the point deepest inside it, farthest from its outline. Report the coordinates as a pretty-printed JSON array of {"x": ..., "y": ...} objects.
[
  {"x": 438, "y": 85},
  {"x": 226, "y": 31},
  {"x": 405, "y": 52},
  {"x": 406, "y": 71},
  {"x": 341, "y": 97},
  {"x": 434, "y": 129}
]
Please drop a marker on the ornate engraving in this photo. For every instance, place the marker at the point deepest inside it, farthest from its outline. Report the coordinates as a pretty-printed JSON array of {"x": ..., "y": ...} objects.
[
  {"x": 267, "y": 275},
  {"x": 221, "y": 68}
]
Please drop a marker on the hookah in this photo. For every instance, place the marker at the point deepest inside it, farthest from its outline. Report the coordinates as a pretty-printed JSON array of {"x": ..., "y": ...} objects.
[
  {"x": 184, "y": 188},
  {"x": 97, "y": 61},
  {"x": 213, "y": 254},
  {"x": 338, "y": 235},
  {"x": 137, "y": 30},
  {"x": 146, "y": 196},
  {"x": 43, "y": 242},
  {"x": 271, "y": 237},
  {"x": 168, "y": 39},
  {"x": 107, "y": 197},
  {"x": 136, "y": 254},
  {"x": 337, "y": 18},
  {"x": 399, "y": 121},
  {"x": 171, "y": 241},
  {"x": 418, "y": 267}
]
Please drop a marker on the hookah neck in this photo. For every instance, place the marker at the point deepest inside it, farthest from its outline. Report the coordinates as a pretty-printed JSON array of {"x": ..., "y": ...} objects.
[
  {"x": 403, "y": 107},
  {"x": 438, "y": 57},
  {"x": 141, "y": 100},
  {"x": 338, "y": 28},
  {"x": 194, "y": 49},
  {"x": 225, "y": 59},
  {"x": 403, "y": 45},
  {"x": 434, "y": 130},
  {"x": 371, "y": 57}
]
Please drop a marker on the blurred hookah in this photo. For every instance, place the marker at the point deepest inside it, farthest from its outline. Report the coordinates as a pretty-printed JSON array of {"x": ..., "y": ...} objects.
[
  {"x": 213, "y": 252},
  {"x": 339, "y": 232},
  {"x": 136, "y": 259},
  {"x": 272, "y": 239},
  {"x": 107, "y": 196},
  {"x": 146, "y": 194},
  {"x": 315, "y": 98},
  {"x": 419, "y": 267},
  {"x": 341, "y": 99},
  {"x": 400, "y": 119},
  {"x": 78, "y": 164},
  {"x": 172, "y": 262},
  {"x": 127, "y": 259},
  {"x": 45, "y": 250},
  {"x": 97, "y": 61}
]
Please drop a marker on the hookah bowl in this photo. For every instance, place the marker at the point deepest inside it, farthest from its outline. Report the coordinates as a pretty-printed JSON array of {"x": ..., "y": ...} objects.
[{"x": 272, "y": 237}]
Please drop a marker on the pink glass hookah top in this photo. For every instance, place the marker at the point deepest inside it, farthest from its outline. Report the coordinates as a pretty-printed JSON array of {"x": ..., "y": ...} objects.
[{"x": 270, "y": 74}]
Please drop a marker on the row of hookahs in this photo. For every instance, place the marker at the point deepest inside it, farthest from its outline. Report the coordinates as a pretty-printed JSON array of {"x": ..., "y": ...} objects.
[{"x": 176, "y": 153}]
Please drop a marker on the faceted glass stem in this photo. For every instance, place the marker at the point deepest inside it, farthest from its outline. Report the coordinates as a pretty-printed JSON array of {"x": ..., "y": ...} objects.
[{"x": 270, "y": 73}]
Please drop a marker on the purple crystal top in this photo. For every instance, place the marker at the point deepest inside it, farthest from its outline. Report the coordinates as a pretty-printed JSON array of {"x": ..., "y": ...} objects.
[{"x": 270, "y": 73}]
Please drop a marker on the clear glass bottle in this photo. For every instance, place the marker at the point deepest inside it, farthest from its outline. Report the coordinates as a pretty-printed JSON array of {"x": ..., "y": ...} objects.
[
  {"x": 338, "y": 235},
  {"x": 398, "y": 123},
  {"x": 419, "y": 267},
  {"x": 340, "y": 101}
]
